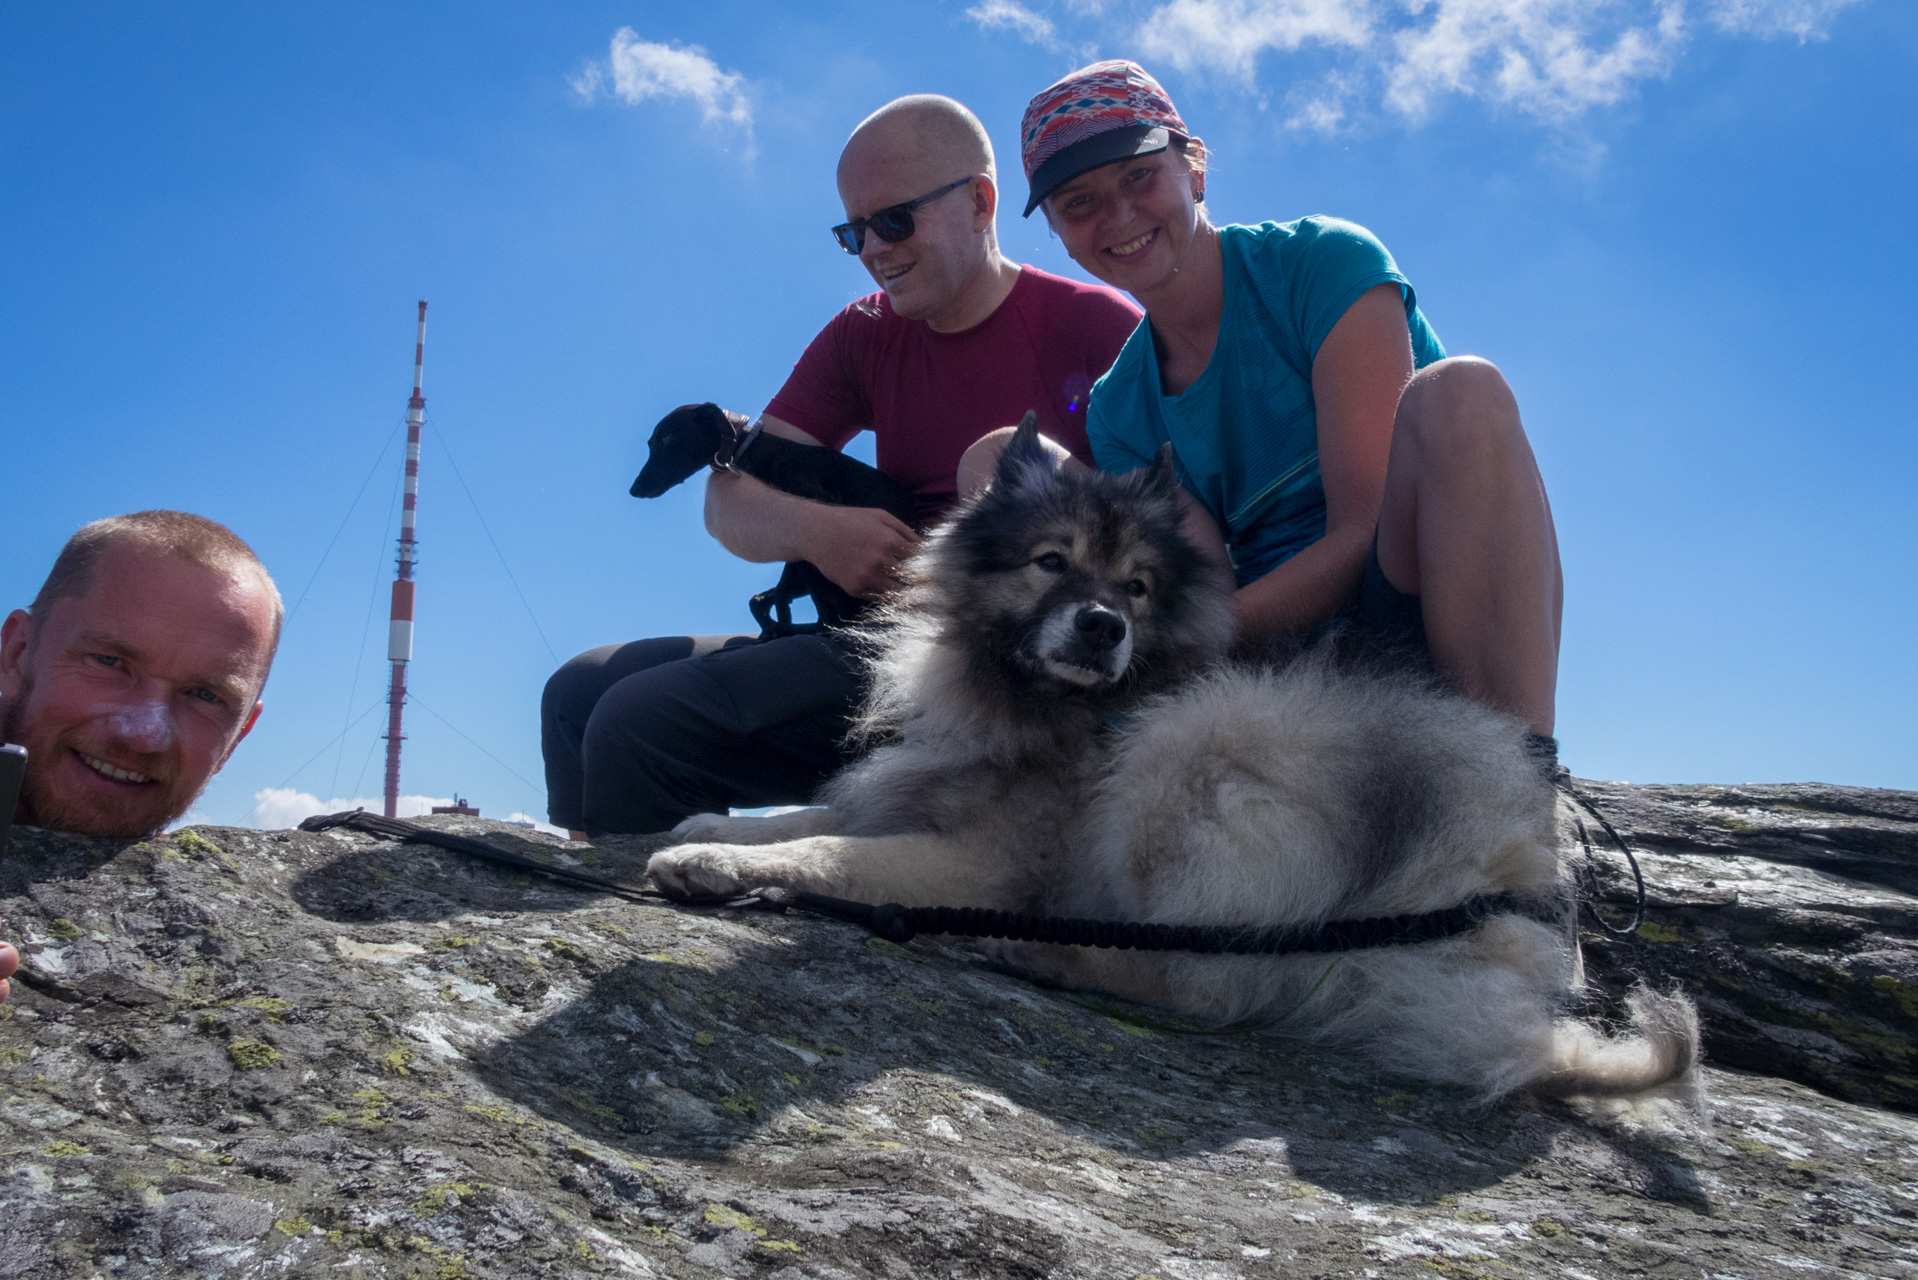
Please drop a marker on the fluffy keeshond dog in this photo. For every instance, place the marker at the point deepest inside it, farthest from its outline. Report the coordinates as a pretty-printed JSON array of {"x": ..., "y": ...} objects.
[{"x": 1061, "y": 732}]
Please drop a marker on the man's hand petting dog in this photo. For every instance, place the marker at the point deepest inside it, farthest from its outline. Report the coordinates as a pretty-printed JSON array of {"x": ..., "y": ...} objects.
[{"x": 860, "y": 548}]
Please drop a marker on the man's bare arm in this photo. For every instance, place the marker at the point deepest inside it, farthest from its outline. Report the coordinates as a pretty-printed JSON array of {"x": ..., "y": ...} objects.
[
  {"x": 752, "y": 519},
  {"x": 857, "y": 547}
]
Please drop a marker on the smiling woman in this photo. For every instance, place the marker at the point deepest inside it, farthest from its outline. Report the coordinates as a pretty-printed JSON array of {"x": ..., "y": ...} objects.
[
  {"x": 136, "y": 672},
  {"x": 1361, "y": 482}
]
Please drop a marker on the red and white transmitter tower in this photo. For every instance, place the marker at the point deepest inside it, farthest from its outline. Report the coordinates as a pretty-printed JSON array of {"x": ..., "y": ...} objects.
[{"x": 399, "y": 642}]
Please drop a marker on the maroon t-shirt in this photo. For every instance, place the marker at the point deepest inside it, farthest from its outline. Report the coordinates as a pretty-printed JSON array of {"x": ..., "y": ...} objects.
[{"x": 927, "y": 396}]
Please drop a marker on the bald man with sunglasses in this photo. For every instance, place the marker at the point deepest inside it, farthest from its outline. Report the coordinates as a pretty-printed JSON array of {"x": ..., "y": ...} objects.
[{"x": 958, "y": 342}]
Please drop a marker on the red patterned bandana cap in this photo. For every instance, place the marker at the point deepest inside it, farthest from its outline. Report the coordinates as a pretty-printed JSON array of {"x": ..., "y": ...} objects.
[{"x": 1108, "y": 111}]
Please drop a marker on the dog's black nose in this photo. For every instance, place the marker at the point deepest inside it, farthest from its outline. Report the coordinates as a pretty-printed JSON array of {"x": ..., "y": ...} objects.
[{"x": 1099, "y": 627}]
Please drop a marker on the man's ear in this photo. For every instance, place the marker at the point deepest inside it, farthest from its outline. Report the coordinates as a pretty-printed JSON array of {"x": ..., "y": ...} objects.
[
  {"x": 15, "y": 633},
  {"x": 259, "y": 705},
  {"x": 985, "y": 201}
]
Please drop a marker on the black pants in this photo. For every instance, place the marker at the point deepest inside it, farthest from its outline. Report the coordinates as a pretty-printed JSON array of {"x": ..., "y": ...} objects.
[{"x": 638, "y": 736}]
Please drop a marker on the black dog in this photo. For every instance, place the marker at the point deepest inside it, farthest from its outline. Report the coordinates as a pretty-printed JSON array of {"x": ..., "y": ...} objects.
[{"x": 701, "y": 435}]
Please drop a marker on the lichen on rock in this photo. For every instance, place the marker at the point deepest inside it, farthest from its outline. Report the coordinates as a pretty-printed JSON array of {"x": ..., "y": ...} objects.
[{"x": 250, "y": 1055}]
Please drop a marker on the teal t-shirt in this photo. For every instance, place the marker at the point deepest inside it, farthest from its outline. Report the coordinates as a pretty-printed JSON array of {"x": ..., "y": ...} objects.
[{"x": 1245, "y": 435}]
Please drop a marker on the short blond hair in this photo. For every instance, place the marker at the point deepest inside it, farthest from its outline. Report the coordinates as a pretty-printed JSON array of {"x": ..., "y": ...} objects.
[
  {"x": 197, "y": 539},
  {"x": 944, "y": 127}
]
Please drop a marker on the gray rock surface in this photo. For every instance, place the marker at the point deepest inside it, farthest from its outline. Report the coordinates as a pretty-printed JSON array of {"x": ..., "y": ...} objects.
[
  {"x": 259, "y": 1054},
  {"x": 1789, "y": 914}
]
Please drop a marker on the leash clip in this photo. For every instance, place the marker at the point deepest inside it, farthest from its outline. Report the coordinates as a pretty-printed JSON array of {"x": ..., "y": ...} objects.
[{"x": 726, "y": 457}]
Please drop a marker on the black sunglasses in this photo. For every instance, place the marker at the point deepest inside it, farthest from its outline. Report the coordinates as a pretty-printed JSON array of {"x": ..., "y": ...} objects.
[{"x": 891, "y": 224}]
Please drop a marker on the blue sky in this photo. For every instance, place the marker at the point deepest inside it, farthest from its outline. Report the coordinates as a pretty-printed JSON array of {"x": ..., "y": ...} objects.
[{"x": 1681, "y": 229}]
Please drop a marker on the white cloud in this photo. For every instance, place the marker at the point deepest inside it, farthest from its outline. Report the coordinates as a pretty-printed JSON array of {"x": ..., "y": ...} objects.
[
  {"x": 279, "y": 807},
  {"x": 1553, "y": 59},
  {"x": 1008, "y": 15},
  {"x": 1230, "y": 35},
  {"x": 1806, "y": 19},
  {"x": 528, "y": 820},
  {"x": 636, "y": 70}
]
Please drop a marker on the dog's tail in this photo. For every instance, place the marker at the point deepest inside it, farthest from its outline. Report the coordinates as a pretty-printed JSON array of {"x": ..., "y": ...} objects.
[{"x": 1661, "y": 1046}]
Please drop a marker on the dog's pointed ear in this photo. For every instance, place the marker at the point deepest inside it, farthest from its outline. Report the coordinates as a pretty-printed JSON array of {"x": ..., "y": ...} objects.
[
  {"x": 1024, "y": 457},
  {"x": 1163, "y": 476}
]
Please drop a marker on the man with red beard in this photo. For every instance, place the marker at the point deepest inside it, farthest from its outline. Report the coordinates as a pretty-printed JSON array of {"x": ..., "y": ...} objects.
[{"x": 135, "y": 672}]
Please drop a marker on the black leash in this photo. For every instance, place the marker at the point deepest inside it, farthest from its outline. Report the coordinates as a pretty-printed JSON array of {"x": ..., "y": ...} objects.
[
  {"x": 396, "y": 829},
  {"x": 1563, "y": 781},
  {"x": 900, "y": 924}
]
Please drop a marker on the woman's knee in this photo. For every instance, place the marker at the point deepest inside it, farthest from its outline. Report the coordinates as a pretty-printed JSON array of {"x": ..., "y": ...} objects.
[{"x": 1459, "y": 408}]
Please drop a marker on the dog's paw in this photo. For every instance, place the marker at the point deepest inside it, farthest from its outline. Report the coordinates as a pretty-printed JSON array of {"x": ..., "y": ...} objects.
[
  {"x": 720, "y": 828},
  {"x": 700, "y": 870},
  {"x": 705, "y": 826}
]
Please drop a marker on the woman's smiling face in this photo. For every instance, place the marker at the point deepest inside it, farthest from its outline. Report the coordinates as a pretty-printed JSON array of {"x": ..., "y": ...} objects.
[{"x": 1130, "y": 222}]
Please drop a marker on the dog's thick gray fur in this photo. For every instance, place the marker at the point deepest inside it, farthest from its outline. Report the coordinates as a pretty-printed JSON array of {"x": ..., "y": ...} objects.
[{"x": 1060, "y": 733}]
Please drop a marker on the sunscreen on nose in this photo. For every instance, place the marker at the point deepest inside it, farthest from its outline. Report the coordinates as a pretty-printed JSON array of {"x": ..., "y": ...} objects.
[{"x": 147, "y": 726}]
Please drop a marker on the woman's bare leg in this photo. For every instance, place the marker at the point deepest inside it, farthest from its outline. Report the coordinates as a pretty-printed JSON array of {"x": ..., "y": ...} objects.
[{"x": 1467, "y": 528}]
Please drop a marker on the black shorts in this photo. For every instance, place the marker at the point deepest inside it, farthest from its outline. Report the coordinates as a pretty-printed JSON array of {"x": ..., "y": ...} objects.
[{"x": 1385, "y": 622}]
